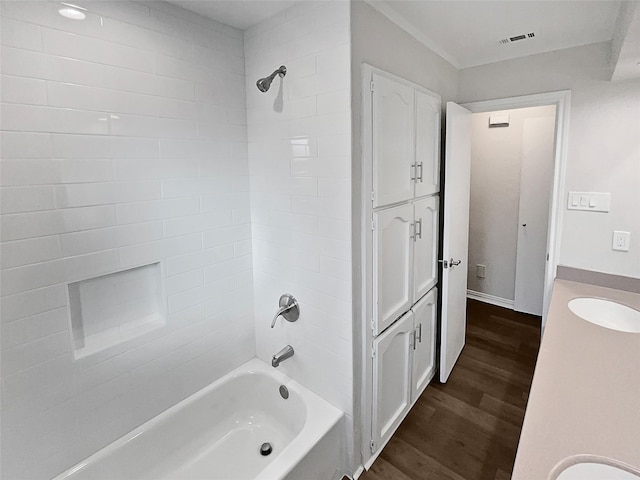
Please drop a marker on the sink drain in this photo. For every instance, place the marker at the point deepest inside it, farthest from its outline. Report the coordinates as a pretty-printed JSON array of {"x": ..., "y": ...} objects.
[{"x": 265, "y": 449}]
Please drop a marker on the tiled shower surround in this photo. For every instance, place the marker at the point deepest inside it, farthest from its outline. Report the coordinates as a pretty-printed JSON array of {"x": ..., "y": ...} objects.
[
  {"x": 300, "y": 166},
  {"x": 134, "y": 139},
  {"x": 123, "y": 144}
]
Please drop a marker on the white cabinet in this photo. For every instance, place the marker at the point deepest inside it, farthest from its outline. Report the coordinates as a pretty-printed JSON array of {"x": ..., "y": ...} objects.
[
  {"x": 405, "y": 142},
  {"x": 403, "y": 365},
  {"x": 405, "y": 252},
  {"x": 393, "y": 141},
  {"x": 392, "y": 263},
  {"x": 400, "y": 178},
  {"x": 424, "y": 351},
  {"x": 425, "y": 256},
  {"x": 427, "y": 144},
  {"x": 392, "y": 373}
]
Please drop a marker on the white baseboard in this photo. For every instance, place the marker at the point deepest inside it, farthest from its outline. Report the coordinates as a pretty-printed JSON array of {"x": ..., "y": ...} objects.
[
  {"x": 359, "y": 472},
  {"x": 492, "y": 299}
]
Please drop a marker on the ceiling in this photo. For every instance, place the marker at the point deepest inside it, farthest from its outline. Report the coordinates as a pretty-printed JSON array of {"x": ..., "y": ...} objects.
[
  {"x": 240, "y": 14},
  {"x": 467, "y": 33}
]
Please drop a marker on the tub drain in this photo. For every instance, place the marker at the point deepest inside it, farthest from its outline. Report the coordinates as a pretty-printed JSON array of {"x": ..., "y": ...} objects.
[{"x": 265, "y": 449}]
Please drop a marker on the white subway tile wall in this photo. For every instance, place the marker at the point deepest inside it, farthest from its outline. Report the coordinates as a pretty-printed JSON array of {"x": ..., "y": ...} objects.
[
  {"x": 123, "y": 144},
  {"x": 300, "y": 166}
]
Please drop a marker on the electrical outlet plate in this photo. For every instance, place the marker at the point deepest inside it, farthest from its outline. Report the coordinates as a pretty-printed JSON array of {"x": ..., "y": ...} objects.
[{"x": 621, "y": 241}]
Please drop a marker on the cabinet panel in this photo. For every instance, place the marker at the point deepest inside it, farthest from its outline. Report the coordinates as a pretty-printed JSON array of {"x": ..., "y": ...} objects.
[
  {"x": 392, "y": 264},
  {"x": 425, "y": 256},
  {"x": 393, "y": 141},
  {"x": 424, "y": 353},
  {"x": 427, "y": 144},
  {"x": 391, "y": 373}
]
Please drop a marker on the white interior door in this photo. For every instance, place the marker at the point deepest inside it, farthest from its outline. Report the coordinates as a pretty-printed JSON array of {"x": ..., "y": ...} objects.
[
  {"x": 391, "y": 374},
  {"x": 425, "y": 247},
  {"x": 455, "y": 236},
  {"x": 427, "y": 144},
  {"x": 424, "y": 344},
  {"x": 392, "y": 264},
  {"x": 536, "y": 179},
  {"x": 393, "y": 141}
]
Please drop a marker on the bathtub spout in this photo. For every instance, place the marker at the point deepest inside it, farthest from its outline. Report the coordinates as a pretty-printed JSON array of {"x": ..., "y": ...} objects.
[{"x": 286, "y": 352}]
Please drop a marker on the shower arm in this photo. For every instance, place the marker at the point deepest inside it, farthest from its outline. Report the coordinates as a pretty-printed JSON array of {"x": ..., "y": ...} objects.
[{"x": 263, "y": 84}]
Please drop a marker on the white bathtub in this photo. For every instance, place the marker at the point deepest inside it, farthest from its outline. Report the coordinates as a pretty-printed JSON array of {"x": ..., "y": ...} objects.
[{"x": 217, "y": 433}]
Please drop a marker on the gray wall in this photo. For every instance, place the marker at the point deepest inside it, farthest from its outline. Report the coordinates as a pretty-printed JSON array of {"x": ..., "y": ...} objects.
[{"x": 604, "y": 145}]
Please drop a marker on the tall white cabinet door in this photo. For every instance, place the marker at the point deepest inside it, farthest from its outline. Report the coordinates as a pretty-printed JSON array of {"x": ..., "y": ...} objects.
[
  {"x": 424, "y": 353},
  {"x": 391, "y": 373},
  {"x": 393, "y": 141},
  {"x": 392, "y": 264},
  {"x": 427, "y": 144},
  {"x": 425, "y": 253}
]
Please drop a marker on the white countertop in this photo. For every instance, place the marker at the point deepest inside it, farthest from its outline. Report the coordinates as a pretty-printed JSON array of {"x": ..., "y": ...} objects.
[{"x": 585, "y": 396}]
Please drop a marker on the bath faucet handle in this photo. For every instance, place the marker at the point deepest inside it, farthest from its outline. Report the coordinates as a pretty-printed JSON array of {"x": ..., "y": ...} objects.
[{"x": 288, "y": 308}]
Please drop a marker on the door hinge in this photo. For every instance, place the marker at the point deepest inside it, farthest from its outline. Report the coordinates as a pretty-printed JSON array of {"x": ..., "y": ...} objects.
[
  {"x": 373, "y": 351},
  {"x": 373, "y": 224},
  {"x": 373, "y": 325},
  {"x": 373, "y": 446},
  {"x": 372, "y": 85}
]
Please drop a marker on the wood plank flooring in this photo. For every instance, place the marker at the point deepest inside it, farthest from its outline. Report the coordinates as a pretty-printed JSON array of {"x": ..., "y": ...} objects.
[{"x": 468, "y": 428}]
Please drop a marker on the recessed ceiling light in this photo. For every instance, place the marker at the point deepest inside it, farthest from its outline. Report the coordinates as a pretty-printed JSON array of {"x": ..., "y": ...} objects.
[{"x": 72, "y": 11}]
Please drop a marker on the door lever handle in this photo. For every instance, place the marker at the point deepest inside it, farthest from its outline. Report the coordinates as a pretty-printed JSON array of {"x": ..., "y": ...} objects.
[{"x": 450, "y": 263}]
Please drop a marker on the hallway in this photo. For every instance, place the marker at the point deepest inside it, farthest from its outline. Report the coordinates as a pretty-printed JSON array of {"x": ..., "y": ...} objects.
[{"x": 468, "y": 428}]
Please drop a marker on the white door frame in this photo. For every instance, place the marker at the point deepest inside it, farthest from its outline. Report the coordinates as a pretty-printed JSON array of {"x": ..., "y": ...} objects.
[{"x": 562, "y": 101}]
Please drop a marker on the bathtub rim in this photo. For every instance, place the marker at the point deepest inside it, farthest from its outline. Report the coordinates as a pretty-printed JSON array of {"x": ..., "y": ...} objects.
[{"x": 320, "y": 419}]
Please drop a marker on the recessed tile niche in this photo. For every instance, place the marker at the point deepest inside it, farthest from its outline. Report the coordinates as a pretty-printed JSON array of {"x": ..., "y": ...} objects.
[{"x": 111, "y": 309}]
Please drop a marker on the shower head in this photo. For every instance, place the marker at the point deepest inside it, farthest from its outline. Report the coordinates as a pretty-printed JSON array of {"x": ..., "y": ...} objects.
[{"x": 264, "y": 83}]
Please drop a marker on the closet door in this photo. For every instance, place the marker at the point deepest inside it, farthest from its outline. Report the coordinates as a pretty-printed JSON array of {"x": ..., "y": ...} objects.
[
  {"x": 393, "y": 141},
  {"x": 425, "y": 253},
  {"x": 391, "y": 373},
  {"x": 424, "y": 344},
  {"x": 392, "y": 264},
  {"x": 427, "y": 144}
]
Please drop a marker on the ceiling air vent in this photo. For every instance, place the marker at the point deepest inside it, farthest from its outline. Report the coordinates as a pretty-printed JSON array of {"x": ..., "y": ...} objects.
[{"x": 516, "y": 38}]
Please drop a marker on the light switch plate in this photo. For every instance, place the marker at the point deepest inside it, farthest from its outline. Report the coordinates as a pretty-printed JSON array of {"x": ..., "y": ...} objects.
[
  {"x": 621, "y": 241},
  {"x": 589, "y": 201}
]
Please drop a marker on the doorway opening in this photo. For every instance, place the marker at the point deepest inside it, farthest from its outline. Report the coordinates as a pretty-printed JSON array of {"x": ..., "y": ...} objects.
[
  {"x": 556, "y": 193},
  {"x": 510, "y": 196}
]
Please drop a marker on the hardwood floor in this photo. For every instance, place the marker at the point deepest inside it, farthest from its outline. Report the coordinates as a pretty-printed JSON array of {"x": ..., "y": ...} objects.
[{"x": 468, "y": 428}]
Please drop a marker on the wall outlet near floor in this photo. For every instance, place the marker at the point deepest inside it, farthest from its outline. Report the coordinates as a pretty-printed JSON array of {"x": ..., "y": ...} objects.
[
  {"x": 480, "y": 271},
  {"x": 621, "y": 241}
]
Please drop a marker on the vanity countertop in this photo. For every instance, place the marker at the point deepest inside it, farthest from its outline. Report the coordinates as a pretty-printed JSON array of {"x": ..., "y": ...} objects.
[{"x": 585, "y": 395}]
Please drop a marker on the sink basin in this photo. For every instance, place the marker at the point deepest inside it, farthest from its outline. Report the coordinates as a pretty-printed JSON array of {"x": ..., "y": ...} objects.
[
  {"x": 595, "y": 471},
  {"x": 607, "y": 314}
]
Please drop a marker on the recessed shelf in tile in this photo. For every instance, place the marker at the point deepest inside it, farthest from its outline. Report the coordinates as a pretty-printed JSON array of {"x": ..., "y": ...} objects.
[{"x": 111, "y": 309}]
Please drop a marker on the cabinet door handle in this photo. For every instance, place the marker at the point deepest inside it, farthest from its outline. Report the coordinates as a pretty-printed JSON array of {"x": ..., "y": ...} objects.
[
  {"x": 418, "y": 229},
  {"x": 413, "y": 339},
  {"x": 414, "y": 171},
  {"x": 420, "y": 332},
  {"x": 419, "y": 169},
  {"x": 412, "y": 231}
]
